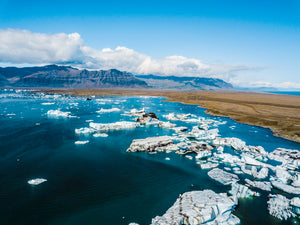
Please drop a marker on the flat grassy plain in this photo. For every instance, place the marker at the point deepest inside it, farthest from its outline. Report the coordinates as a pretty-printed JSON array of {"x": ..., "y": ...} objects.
[{"x": 280, "y": 113}]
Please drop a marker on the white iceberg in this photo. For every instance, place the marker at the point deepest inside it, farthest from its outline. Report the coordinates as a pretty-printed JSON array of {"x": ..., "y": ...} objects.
[
  {"x": 57, "y": 114},
  {"x": 81, "y": 142},
  {"x": 108, "y": 110},
  {"x": 200, "y": 207},
  {"x": 100, "y": 135},
  {"x": 152, "y": 144},
  {"x": 222, "y": 176},
  {"x": 279, "y": 206},
  {"x": 241, "y": 191},
  {"x": 36, "y": 181},
  {"x": 286, "y": 156},
  {"x": 84, "y": 130},
  {"x": 113, "y": 126},
  {"x": 263, "y": 185}
]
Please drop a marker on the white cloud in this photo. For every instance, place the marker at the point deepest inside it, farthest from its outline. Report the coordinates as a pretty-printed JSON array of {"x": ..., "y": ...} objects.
[{"x": 23, "y": 46}]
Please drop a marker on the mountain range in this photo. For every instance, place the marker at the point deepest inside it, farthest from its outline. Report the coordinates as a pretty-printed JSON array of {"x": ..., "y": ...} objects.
[{"x": 53, "y": 76}]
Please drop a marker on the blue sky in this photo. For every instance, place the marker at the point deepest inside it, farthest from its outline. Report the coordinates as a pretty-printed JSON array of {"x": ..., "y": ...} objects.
[{"x": 262, "y": 37}]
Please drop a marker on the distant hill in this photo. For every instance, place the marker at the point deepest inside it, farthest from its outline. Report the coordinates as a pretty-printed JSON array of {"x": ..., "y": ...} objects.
[
  {"x": 53, "y": 76},
  {"x": 185, "y": 83},
  {"x": 69, "y": 77}
]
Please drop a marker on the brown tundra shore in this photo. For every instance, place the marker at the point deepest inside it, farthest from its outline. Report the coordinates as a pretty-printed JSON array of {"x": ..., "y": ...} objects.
[{"x": 280, "y": 113}]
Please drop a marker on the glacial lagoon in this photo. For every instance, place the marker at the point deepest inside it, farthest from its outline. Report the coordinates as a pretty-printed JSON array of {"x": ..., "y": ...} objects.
[{"x": 86, "y": 175}]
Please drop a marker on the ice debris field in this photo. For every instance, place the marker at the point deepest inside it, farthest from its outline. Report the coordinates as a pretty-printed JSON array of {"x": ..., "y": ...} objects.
[{"x": 214, "y": 145}]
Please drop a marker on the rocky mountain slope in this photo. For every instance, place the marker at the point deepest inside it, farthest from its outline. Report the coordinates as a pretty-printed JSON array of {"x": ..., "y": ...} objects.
[
  {"x": 66, "y": 76},
  {"x": 53, "y": 76},
  {"x": 185, "y": 83}
]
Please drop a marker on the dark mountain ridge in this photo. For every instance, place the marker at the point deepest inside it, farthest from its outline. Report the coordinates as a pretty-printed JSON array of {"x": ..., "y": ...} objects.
[
  {"x": 69, "y": 77},
  {"x": 190, "y": 83},
  {"x": 53, "y": 76}
]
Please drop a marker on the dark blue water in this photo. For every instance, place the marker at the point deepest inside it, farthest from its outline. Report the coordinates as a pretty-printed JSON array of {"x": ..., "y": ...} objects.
[{"x": 99, "y": 183}]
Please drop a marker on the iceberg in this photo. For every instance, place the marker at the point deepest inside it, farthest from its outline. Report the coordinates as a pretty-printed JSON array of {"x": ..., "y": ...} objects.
[
  {"x": 108, "y": 110},
  {"x": 263, "y": 185},
  {"x": 200, "y": 207},
  {"x": 84, "y": 130},
  {"x": 58, "y": 114},
  {"x": 166, "y": 124},
  {"x": 113, "y": 126},
  {"x": 285, "y": 187},
  {"x": 152, "y": 144},
  {"x": 279, "y": 207},
  {"x": 286, "y": 156},
  {"x": 241, "y": 191},
  {"x": 100, "y": 135},
  {"x": 81, "y": 142},
  {"x": 36, "y": 181},
  {"x": 222, "y": 176}
]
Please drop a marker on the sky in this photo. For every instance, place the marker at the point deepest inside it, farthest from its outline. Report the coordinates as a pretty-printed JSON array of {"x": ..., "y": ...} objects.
[{"x": 248, "y": 43}]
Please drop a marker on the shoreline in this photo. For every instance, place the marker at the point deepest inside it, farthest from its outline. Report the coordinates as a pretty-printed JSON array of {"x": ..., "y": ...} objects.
[{"x": 279, "y": 113}]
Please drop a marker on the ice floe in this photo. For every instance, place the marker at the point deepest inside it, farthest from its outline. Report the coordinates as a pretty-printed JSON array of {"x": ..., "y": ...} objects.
[
  {"x": 100, "y": 135},
  {"x": 84, "y": 130},
  {"x": 152, "y": 144},
  {"x": 81, "y": 142},
  {"x": 241, "y": 191},
  {"x": 113, "y": 126},
  {"x": 263, "y": 185},
  {"x": 58, "y": 114},
  {"x": 280, "y": 207},
  {"x": 200, "y": 207},
  {"x": 36, "y": 181},
  {"x": 222, "y": 176},
  {"x": 286, "y": 156},
  {"x": 108, "y": 110}
]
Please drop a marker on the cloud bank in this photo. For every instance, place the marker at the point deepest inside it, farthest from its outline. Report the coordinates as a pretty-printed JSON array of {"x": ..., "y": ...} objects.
[{"x": 23, "y": 46}]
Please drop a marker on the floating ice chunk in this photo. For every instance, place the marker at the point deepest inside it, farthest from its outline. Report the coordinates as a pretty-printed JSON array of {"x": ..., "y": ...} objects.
[
  {"x": 209, "y": 165},
  {"x": 89, "y": 121},
  {"x": 251, "y": 161},
  {"x": 58, "y": 114},
  {"x": 170, "y": 116},
  {"x": 282, "y": 174},
  {"x": 285, "y": 187},
  {"x": 48, "y": 103},
  {"x": 235, "y": 143},
  {"x": 167, "y": 158},
  {"x": 133, "y": 224},
  {"x": 113, "y": 126},
  {"x": 241, "y": 191},
  {"x": 84, "y": 130},
  {"x": 200, "y": 207},
  {"x": 263, "y": 185},
  {"x": 203, "y": 134},
  {"x": 263, "y": 173},
  {"x": 180, "y": 129},
  {"x": 108, "y": 110},
  {"x": 295, "y": 203},
  {"x": 81, "y": 142},
  {"x": 152, "y": 144},
  {"x": 286, "y": 156},
  {"x": 100, "y": 135},
  {"x": 279, "y": 206},
  {"x": 203, "y": 154},
  {"x": 36, "y": 181},
  {"x": 166, "y": 124},
  {"x": 189, "y": 157},
  {"x": 222, "y": 176},
  {"x": 135, "y": 112},
  {"x": 296, "y": 180}
]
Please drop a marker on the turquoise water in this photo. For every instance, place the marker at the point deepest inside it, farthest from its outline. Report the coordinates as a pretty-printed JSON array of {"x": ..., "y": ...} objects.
[
  {"x": 285, "y": 92},
  {"x": 99, "y": 183}
]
